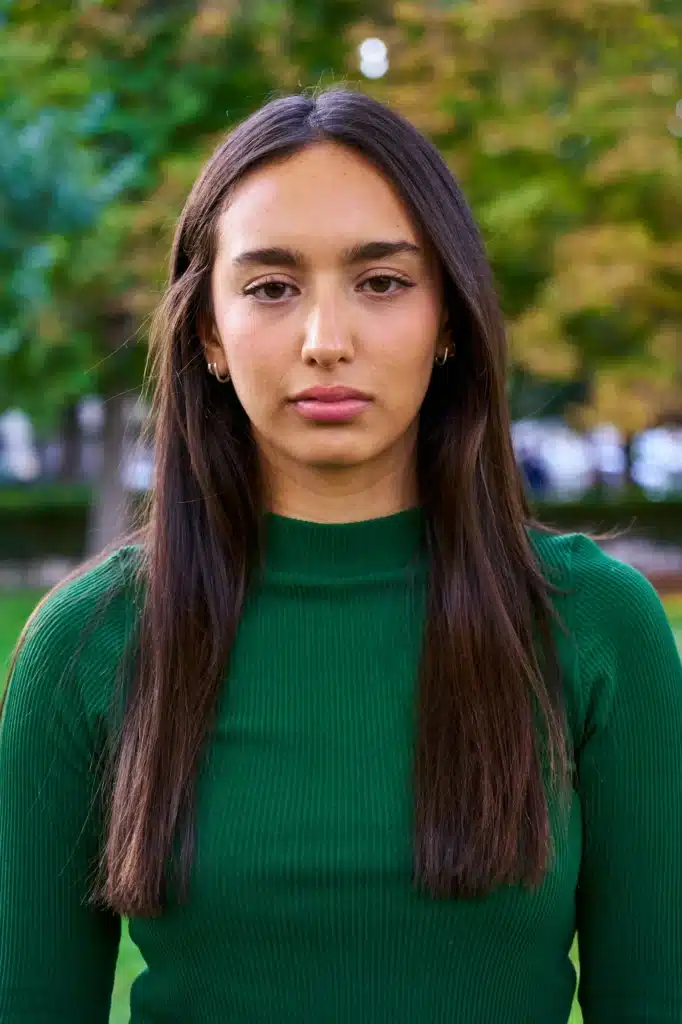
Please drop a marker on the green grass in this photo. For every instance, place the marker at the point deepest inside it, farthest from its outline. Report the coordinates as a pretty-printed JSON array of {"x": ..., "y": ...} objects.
[
  {"x": 129, "y": 965},
  {"x": 14, "y": 610}
]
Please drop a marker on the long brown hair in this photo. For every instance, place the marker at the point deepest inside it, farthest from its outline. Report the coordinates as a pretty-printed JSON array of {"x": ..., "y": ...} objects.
[{"x": 492, "y": 739}]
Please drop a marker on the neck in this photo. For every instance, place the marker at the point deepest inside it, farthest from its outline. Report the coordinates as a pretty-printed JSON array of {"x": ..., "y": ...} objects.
[{"x": 341, "y": 494}]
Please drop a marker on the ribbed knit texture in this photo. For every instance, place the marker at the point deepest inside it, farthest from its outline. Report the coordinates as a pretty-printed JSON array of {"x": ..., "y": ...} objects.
[{"x": 302, "y": 907}]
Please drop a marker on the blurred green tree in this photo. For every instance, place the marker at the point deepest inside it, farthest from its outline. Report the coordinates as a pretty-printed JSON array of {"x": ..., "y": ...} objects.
[{"x": 564, "y": 122}]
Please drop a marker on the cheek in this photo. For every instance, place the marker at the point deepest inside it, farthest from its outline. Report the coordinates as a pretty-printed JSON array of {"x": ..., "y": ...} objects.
[
  {"x": 251, "y": 350},
  {"x": 407, "y": 368},
  {"x": 407, "y": 349},
  {"x": 236, "y": 327},
  {"x": 255, "y": 378}
]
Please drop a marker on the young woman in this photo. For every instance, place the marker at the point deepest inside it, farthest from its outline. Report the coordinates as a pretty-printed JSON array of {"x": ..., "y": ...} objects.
[{"x": 345, "y": 733}]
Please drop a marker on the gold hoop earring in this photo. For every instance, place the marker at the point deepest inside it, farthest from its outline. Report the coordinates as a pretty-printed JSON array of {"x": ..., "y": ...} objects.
[
  {"x": 442, "y": 360},
  {"x": 213, "y": 369}
]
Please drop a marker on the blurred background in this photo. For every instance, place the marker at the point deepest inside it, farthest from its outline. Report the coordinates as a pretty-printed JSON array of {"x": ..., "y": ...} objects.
[{"x": 562, "y": 121}]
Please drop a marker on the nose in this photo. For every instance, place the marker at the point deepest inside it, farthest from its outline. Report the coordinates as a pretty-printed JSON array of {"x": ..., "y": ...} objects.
[{"x": 327, "y": 339}]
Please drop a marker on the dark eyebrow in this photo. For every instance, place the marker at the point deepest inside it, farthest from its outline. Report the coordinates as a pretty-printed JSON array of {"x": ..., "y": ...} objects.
[
  {"x": 367, "y": 251},
  {"x": 364, "y": 252}
]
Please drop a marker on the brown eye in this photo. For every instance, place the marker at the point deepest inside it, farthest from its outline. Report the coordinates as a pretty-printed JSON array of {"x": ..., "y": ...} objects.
[
  {"x": 269, "y": 291},
  {"x": 272, "y": 290},
  {"x": 382, "y": 284}
]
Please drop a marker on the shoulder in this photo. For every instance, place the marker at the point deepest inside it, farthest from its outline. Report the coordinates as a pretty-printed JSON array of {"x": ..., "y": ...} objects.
[
  {"x": 79, "y": 631},
  {"x": 623, "y": 651},
  {"x": 72, "y": 607},
  {"x": 600, "y": 590}
]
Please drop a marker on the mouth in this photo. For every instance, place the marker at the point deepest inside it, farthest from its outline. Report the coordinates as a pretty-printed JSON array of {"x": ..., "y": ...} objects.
[{"x": 331, "y": 404}]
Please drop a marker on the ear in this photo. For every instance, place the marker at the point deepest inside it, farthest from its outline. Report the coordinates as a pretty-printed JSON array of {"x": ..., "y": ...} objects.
[
  {"x": 444, "y": 337},
  {"x": 209, "y": 338}
]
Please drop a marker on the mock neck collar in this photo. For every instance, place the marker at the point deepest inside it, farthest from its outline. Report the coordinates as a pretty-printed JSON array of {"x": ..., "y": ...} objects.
[{"x": 343, "y": 550}]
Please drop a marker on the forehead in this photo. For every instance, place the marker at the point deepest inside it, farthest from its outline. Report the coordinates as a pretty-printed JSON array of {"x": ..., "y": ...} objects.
[{"x": 324, "y": 195}]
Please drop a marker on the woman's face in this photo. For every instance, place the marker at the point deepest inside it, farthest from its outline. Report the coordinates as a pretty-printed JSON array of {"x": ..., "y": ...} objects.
[{"x": 322, "y": 281}]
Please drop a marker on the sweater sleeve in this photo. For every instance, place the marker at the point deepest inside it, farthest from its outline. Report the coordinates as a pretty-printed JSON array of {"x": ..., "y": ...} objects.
[
  {"x": 629, "y": 764},
  {"x": 57, "y": 953}
]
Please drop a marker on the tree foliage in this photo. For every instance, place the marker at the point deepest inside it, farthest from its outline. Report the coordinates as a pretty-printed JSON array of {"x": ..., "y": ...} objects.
[
  {"x": 563, "y": 122},
  {"x": 119, "y": 88}
]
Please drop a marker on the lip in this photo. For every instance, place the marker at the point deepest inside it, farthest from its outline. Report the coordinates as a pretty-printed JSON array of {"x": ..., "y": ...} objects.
[
  {"x": 330, "y": 404},
  {"x": 335, "y": 393}
]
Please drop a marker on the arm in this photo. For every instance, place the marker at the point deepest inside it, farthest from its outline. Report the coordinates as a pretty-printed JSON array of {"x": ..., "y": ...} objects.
[
  {"x": 629, "y": 899},
  {"x": 57, "y": 954}
]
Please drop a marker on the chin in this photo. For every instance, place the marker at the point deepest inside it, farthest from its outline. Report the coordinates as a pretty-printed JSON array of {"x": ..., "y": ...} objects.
[
  {"x": 334, "y": 456},
  {"x": 332, "y": 462}
]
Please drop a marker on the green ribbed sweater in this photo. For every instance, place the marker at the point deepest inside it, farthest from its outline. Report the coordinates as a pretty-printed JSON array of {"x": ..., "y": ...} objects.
[{"x": 301, "y": 905}]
